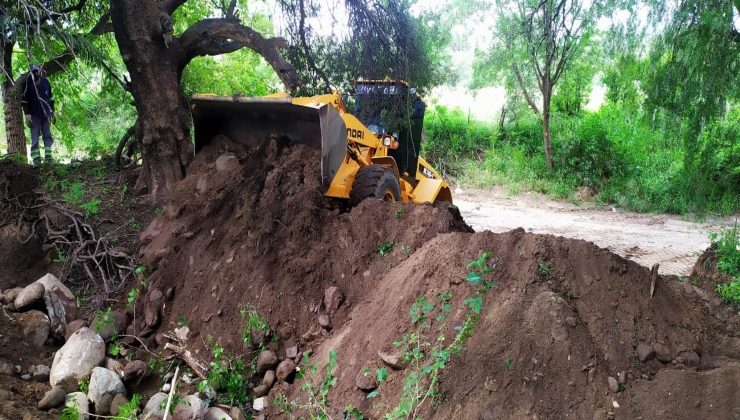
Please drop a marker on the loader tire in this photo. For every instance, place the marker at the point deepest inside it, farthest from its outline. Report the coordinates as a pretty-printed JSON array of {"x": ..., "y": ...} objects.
[{"x": 375, "y": 181}]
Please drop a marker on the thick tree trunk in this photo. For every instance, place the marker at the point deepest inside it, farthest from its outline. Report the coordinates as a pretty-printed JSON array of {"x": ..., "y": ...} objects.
[
  {"x": 155, "y": 69},
  {"x": 546, "y": 96},
  {"x": 13, "y": 111}
]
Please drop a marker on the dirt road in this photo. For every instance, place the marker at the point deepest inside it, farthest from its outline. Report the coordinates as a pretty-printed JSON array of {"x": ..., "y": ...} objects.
[{"x": 644, "y": 238}]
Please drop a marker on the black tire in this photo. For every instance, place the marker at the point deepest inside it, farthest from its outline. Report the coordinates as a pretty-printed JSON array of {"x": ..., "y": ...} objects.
[{"x": 375, "y": 181}]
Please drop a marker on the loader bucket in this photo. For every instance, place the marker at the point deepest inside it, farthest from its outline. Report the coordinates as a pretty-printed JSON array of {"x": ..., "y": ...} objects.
[{"x": 251, "y": 121}]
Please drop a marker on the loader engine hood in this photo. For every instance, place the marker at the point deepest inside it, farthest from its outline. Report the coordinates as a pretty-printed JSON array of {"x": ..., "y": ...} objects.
[{"x": 252, "y": 121}]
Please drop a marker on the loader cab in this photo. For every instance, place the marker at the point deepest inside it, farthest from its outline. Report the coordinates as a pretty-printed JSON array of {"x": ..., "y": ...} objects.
[{"x": 393, "y": 107}]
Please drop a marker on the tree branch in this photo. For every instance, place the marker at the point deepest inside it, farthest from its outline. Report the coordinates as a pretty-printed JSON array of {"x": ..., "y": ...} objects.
[
  {"x": 529, "y": 99},
  {"x": 169, "y": 6},
  {"x": 221, "y": 36}
]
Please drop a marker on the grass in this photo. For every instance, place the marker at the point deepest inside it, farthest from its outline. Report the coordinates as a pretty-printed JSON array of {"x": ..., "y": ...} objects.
[{"x": 728, "y": 262}]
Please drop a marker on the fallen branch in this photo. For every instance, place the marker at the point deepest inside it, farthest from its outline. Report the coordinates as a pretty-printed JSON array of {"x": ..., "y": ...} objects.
[
  {"x": 198, "y": 367},
  {"x": 654, "y": 274}
]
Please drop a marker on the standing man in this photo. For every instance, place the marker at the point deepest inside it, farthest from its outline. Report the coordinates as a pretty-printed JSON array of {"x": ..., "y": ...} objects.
[{"x": 38, "y": 107}]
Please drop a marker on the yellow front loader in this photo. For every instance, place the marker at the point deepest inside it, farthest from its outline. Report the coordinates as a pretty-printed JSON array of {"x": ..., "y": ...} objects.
[{"x": 373, "y": 152}]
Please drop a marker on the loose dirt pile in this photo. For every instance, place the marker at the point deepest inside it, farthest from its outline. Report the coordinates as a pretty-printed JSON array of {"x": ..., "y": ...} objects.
[{"x": 251, "y": 227}]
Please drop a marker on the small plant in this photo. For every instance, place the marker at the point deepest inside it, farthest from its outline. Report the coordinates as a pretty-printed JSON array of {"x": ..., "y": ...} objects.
[
  {"x": 386, "y": 248},
  {"x": 254, "y": 322},
  {"x": 177, "y": 399},
  {"x": 399, "y": 213},
  {"x": 103, "y": 320},
  {"x": 406, "y": 249},
  {"x": 70, "y": 412},
  {"x": 92, "y": 207},
  {"x": 114, "y": 348},
  {"x": 728, "y": 262},
  {"x": 131, "y": 298},
  {"x": 182, "y": 320},
  {"x": 507, "y": 362},
  {"x": 84, "y": 385},
  {"x": 74, "y": 193},
  {"x": 230, "y": 376},
  {"x": 130, "y": 410},
  {"x": 544, "y": 270},
  {"x": 352, "y": 412}
]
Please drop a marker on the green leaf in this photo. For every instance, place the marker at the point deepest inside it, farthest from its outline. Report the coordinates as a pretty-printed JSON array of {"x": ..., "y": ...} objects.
[
  {"x": 372, "y": 394},
  {"x": 475, "y": 304},
  {"x": 381, "y": 375},
  {"x": 474, "y": 277}
]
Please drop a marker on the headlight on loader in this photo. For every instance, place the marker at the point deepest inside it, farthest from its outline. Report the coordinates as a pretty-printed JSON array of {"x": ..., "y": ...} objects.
[{"x": 387, "y": 141}]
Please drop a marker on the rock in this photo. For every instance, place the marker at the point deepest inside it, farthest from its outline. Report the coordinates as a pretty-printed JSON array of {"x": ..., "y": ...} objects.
[
  {"x": 365, "y": 380},
  {"x": 284, "y": 372},
  {"x": 6, "y": 368},
  {"x": 151, "y": 409},
  {"x": 114, "y": 365},
  {"x": 622, "y": 377},
  {"x": 325, "y": 322},
  {"x": 102, "y": 408},
  {"x": 645, "y": 352},
  {"x": 291, "y": 352},
  {"x": 266, "y": 361},
  {"x": 36, "y": 327},
  {"x": 134, "y": 371},
  {"x": 26, "y": 376},
  {"x": 10, "y": 294},
  {"x": 691, "y": 358},
  {"x": 261, "y": 391},
  {"x": 662, "y": 353},
  {"x": 40, "y": 373},
  {"x": 613, "y": 384},
  {"x": 237, "y": 414},
  {"x": 259, "y": 404},
  {"x": 269, "y": 379},
  {"x": 571, "y": 321},
  {"x": 79, "y": 401},
  {"x": 227, "y": 162},
  {"x": 193, "y": 409},
  {"x": 332, "y": 299},
  {"x": 393, "y": 360},
  {"x": 60, "y": 301},
  {"x": 76, "y": 359},
  {"x": 109, "y": 324},
  {"x": 166, "y": 388},
  {"x": 118, "y": 400},
  {"x": 72, "y": 327},
  {"x": 30, "y": 294},
  {"x": 182, "y": 333},
  {"x": 102, "y": 382},
  {"x": 53, "y": 398},
  {"x": 6, "y": 395},
  {"x": 215, "y": 413},
  {"x": 59, "y": 312}
]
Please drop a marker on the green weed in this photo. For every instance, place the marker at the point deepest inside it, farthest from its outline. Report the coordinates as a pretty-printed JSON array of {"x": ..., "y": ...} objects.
[
  {"x": 544, "y": 270},
  {"x": 386, "y": 248},
  {"x": 74, "y": 193},
  {"x": 254, "y": 322},
  {"x": 728, "y": 262},
  {"x": 92, "y": 207},
  {"x": 399, "y": 213},
  {"x": 130, "y": 410}
]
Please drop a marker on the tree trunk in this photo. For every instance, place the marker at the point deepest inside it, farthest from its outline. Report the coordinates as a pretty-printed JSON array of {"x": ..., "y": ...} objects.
[
  {"x": 155, "y": 69},
  {"x": 13, "y": 111},
  {"x": 546, "y": 97}
]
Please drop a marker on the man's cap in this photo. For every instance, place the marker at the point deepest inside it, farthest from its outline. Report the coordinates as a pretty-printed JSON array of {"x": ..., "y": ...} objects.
[{"x": 35, "y": 67}]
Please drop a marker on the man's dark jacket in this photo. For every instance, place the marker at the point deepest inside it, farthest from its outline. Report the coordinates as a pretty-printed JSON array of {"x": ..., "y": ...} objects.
[{"x": 37, "y": 99}]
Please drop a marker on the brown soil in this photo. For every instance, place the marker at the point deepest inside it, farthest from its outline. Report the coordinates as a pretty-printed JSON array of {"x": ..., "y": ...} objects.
[{"x": 259, "y": 232}]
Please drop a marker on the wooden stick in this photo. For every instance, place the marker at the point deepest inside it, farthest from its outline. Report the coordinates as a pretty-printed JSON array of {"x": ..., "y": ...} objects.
[
  {"x": 654, "y": 274},
  {"x": 172, "y": 392},
  {"x": 198, "y": 367}
]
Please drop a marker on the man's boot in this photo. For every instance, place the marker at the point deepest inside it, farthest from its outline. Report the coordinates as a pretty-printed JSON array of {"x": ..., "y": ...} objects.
[
  {"x": 48, "y": 158},
  {"x": 35, "y": 157}
]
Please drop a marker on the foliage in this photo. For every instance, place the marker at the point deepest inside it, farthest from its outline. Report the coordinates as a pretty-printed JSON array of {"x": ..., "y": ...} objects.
[
  {"x": 728, "y": 262},
  {"x": 84, "y": 385},
  {"x": 130, "y": 410},
  {"x": 70, "y": 412},
  {"x": 229, "y": 376},
  {"x": 316, "y": 404},
  {"x": 92, "y": 207},
  {"x": 386, "y": 248},
  {"x": 254, "y": 322},
  {"x": 543, "y": 269}
]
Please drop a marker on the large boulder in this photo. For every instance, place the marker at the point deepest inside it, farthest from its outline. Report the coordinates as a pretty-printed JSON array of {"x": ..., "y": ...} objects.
[
  {"x": 104, "y": 382},
  {"x": 36, "y": 327},
  {"x": 30, "y": 294},
  {"x": 193, "y": 409},
  {"x": 152, "y": 408},
  {"x": 76, "y": 359},
  {"x": 60, "y": 301},
  {"x": 53, "y": 398}
]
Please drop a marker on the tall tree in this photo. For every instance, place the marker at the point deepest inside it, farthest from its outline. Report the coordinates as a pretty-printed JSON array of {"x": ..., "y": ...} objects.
[
  {"x": 155, "y": 58},
  {"x": 534, "y": 44}
]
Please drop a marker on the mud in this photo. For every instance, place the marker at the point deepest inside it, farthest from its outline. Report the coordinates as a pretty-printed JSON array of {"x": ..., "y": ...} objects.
[{"x": 252, "y": 228}]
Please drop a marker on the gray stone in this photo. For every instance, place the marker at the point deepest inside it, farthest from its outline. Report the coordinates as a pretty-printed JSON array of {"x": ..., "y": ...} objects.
[
  {"x": 269, "y": 379},
  {"x": 151, "y": 409},
  {"x": 134, "y": 371},
  {"x": 36, "y": 327},
  {"x": 227, "y": 162},
  {"x": 261, "y": 391},
  {"x": 40, "y": 373},
  {"x": 662, "y": 353},
  {"x": 30, "y": 294},
  {"x": 332, "y": 299},
  {"x": 622, "y": 377},
  {"x": 10, "y": 294},
  {"x": 76, "y": 359},
  {"x": 118, "y": 400},
  {"x": 193, "y": 409},
  {"x": 259, "y": 404},
  {"x": 691, "y": 358},
  {"x": 237, "y": 414},
  {"x": 26, "y": 376},
  {"x": 365, "y": 380},
  {"x": 53, "y": 285},
  {"x": 79, "y": 401},
  {"x": 53, "y": 398},
  {"x": 325, "y": 322},
  {"x": 613, "y": 384},
  {"x": 291, "y": 352},
  {"x": 114, "y": 365},
  {"x": 266, "y": 361},
  {"x": 215, "y": 413},
  {"x": 284, "y": 371},
  {"x": 645, "y": 352},
  {"x": 102, "y": 382},
  {"x": 393, "y": 360}
]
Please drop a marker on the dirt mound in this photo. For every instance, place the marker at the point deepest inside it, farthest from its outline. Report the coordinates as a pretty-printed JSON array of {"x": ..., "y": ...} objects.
[{"x": 251, "y": 227}]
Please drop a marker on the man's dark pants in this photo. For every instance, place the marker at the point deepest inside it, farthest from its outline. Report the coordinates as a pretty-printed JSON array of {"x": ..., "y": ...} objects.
[{"x": 41, "y": 126}]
